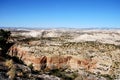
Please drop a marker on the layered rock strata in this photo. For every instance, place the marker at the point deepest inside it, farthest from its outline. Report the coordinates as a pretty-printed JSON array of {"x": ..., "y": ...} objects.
[{"x": 91, "y": 59}]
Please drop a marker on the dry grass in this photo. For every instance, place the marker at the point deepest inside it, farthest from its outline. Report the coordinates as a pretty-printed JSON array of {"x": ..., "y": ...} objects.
[
  {"x": 9, "y": 63},
  {"x": 11, "y": 72},
  {"x": 12, "y": 69}
]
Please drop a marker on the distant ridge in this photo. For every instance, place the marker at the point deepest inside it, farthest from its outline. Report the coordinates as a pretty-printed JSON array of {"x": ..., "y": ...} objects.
[{"x": 36, "y": 28}]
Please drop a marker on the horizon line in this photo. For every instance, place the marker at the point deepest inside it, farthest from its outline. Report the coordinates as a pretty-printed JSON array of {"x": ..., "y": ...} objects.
[{"x": 10, "y": 27}]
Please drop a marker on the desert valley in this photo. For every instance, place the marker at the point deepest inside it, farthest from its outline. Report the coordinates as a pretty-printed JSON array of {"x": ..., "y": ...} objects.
[{"x": 62, "y": 54}]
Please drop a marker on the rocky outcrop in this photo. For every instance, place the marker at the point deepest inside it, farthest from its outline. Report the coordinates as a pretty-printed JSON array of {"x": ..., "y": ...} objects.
[
  {"x": 40, "y": 62},
  {"x": 98, "y": 64},
  {"x": 22, "y": 72}
]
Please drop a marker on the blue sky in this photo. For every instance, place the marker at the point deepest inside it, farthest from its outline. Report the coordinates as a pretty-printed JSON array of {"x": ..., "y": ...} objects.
[{"x": 60, "y": 13}]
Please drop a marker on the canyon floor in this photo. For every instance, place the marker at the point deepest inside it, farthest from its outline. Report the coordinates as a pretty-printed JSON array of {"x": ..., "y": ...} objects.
[{"x": 64, "y": 54}]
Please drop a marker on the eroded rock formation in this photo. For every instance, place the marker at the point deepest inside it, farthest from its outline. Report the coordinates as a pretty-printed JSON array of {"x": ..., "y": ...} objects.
[
  {"x": 100, "y": 63},
  {"x": 97, "y": 52}
]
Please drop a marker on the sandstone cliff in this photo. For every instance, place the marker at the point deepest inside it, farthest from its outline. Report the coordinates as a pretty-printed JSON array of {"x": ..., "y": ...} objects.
[{"x": 98, "y": 61}]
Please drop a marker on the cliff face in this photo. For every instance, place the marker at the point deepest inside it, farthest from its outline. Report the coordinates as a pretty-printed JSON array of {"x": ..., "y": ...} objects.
[
  {"x": 57, "y": 61},
  {"x": 96, "y": 64}
]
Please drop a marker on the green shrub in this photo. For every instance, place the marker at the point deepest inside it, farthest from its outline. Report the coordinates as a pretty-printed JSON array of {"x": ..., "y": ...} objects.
[
  {"x": 31, "y": 66},
  {"x": 63, "y": 74},
  {"x": 4, "y": 36}
]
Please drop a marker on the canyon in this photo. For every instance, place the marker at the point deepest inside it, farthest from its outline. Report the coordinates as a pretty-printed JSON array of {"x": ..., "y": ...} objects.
[{"x": 91, "y": 52}]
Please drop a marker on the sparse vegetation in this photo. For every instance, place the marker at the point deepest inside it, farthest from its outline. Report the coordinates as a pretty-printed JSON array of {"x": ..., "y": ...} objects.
[
  {"x": 79, "y": 78},
  {"x": 94, "y": 59},
  {"x": 11, "y": 73},
  {"x": 9, "y": 63},
  {"x": 63, "y": 74},
  {"x": 31, "y": 66},
  {"x": 4, "y": 36},
  {"x": 12, "y": 69}
]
